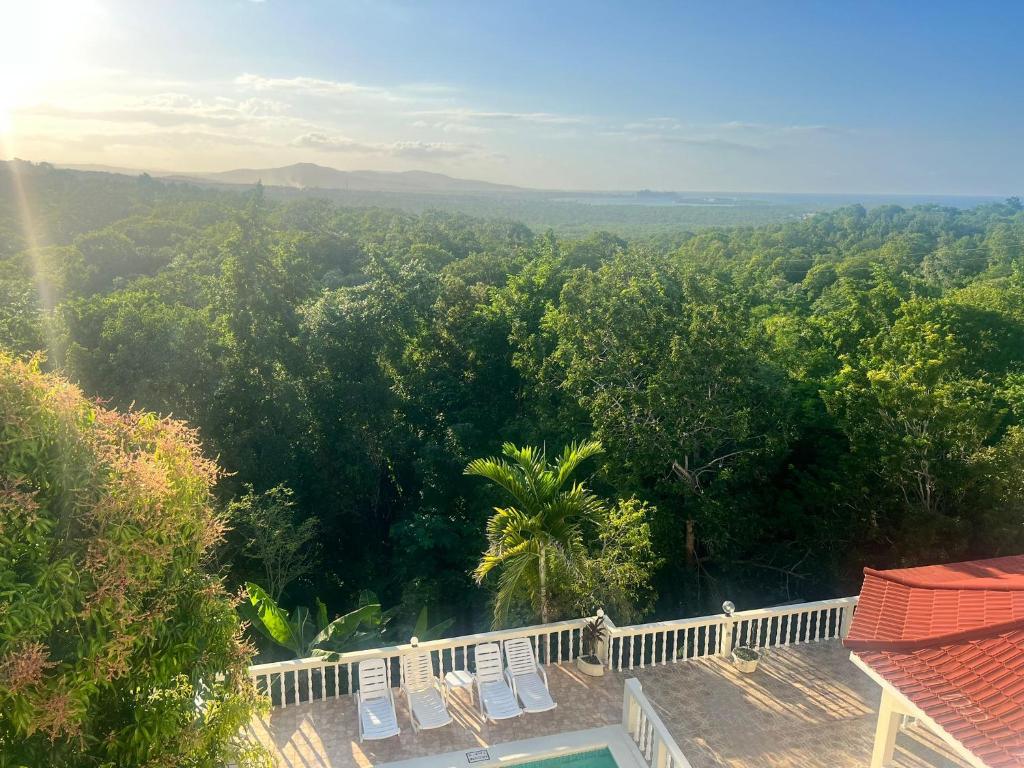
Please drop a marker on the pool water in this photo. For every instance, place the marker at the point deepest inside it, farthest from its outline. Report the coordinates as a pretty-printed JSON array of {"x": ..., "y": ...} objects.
[{"x": 595, "y": 758}]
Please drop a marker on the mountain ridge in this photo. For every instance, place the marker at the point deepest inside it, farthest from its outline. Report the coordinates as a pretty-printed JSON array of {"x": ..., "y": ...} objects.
[{"x": 314, "y": 176}]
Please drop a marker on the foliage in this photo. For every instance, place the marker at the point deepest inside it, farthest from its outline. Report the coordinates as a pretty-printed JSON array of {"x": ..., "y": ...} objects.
[
  {"x": 791, "y": 401},
  {"x": 284, "y": 550},
  {"x": 305, "y": 633},
  {"x": 616, "y": 573},
  {"x": 746, "y": 653},
  {"x": 110, "y": 624},
  {"x": 542, "y": 534},
  {"x": 594, "y": 631}
]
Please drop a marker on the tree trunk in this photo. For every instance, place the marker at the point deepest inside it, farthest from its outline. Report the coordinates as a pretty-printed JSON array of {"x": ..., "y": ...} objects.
[
  {"x": 543, "y": 587},
  {"x": 691, "y": 544}
]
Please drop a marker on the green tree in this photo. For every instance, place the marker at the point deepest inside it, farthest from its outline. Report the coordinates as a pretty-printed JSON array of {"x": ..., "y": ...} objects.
[
  {"x": 616, "y": 574},
  {"x": 111, "y": 627},
  {"x": 541, "y": 534},
  {"x": 663, "y": 363},
  {"x": 925, "y": 413},
  {"x": 284, "y": 549}
]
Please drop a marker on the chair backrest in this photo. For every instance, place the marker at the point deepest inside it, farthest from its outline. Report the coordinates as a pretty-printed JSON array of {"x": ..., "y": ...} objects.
[
  {"x": 488, "y": 663},
  {"x": 519, "y": 655},
  {"x": 417, "y": 671},
  {"x": 373, "y": 678}
]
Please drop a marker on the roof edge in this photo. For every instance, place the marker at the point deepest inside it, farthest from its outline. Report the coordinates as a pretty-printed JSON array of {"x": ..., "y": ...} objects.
[
  {"x": 976, "y": 584},
  {"x": 964, "y": 635}
]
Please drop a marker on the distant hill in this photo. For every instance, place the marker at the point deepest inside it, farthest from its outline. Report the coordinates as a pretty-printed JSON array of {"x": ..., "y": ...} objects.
[{"x": 313, "y": 176}]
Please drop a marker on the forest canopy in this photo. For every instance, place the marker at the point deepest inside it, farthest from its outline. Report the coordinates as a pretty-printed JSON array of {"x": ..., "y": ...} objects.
[{"x": 781, "y": 405}]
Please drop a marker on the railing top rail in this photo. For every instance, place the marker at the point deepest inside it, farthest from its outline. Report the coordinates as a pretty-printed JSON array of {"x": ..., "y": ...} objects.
[
  {"x": 351, "y": 657},
  {"x": 780, "y": 610},
  {"x": 721, "y": 618},
  {"x": 634, "y": 689},
  {"x": 657, "y": 626}
]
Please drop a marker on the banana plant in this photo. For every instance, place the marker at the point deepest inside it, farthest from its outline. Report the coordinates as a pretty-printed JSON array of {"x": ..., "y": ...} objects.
[
  {"x": 306, "y": 633},
  {"x": 423, "y": 631}
]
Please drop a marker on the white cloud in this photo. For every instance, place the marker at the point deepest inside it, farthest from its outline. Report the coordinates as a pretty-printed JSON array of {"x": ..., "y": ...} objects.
[
  {"x": 311, "y": 85},
  {"x": 325, "y": 143},
  {"x": 171, "y": 109},
  {"x": 471, "y": 115},
  {"x": 409, "y": 149},
  {"x": 430, "y": 149}
]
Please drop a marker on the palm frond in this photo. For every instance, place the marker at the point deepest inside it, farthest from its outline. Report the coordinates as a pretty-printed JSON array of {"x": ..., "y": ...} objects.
[
  {"x": 573, "y": 455},
  {"x": 504, "y": 475},
  {"x": 517, "y": 581}
]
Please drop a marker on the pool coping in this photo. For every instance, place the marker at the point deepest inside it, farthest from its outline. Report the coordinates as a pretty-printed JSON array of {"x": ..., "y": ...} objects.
[{"x": 611, "y": 737}]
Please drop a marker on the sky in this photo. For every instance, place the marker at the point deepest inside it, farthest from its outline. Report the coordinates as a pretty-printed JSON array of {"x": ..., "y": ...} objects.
[{"x": 869, "y": 97}]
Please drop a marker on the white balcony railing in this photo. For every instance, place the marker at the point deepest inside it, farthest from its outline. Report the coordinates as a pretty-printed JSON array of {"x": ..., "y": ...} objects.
[
  {"x": 318, "y": 677},
  {"x": 666, "y": 642},
  {"x": 648, "y": 731}
]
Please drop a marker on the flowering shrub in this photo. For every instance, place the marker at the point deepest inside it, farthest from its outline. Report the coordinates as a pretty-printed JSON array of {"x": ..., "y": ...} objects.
[{"x": 117, "y": 645}]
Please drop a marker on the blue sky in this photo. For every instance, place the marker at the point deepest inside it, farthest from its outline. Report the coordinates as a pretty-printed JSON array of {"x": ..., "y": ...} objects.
[{"x": 816, "y": 97}]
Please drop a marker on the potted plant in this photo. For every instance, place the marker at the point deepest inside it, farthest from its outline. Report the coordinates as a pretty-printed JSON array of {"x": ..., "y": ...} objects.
[
  {"x": 745, "y": 658},
  {"x": 594, "y": 632}
]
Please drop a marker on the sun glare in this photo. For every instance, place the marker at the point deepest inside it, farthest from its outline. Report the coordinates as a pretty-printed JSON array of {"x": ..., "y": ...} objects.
[{"x": 42, "y": 44}]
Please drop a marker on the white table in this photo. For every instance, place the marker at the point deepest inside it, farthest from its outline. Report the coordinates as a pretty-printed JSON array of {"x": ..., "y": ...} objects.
[{"x": 460, "y": 678}]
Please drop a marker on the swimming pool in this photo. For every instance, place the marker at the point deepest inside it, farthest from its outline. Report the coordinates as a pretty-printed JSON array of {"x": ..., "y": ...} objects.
[{"x": 594, "y": 758}]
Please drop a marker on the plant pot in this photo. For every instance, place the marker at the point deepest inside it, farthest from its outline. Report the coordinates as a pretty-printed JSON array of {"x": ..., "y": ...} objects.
[
  {"x": 744, "y": 664},
  {"x": 590, "y": 665}
]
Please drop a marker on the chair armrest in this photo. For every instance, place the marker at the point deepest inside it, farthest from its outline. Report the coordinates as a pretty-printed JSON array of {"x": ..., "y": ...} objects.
[
  {"x": 440, "y": 688},
  {"x": 511, "y": 679},
  {"x": 543, "y": 675}
]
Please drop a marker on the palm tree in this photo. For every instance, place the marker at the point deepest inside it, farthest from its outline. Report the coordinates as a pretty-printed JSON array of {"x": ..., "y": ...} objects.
[{"x": 542, "y": 530}]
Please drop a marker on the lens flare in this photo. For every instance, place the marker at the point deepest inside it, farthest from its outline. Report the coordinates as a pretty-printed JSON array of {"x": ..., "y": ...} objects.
[{"x": 42, "y": 45}]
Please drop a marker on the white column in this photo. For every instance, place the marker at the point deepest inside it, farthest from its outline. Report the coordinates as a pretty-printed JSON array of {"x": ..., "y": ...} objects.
[{"x": 889, "y": 717}]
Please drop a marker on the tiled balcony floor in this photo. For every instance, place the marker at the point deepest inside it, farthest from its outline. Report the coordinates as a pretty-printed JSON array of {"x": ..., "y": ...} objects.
[{"x": 807, "y": 706}]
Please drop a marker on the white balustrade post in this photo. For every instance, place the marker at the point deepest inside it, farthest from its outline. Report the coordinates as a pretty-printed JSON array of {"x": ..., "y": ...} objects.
[
  {"x": 601, "y": 646},
  {"x": 630, "y": 706},
  {"x": 727, "y": 636},
  {"x": 659, "y": 755},
  {"x": 847, "y": 620}
]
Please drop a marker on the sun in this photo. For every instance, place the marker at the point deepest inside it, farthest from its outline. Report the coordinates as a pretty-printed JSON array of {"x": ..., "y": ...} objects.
[{"x": 41, "y": 43}]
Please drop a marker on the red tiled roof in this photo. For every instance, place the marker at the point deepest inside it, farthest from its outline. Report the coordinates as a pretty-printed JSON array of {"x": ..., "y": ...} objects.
[{"x": 951, "y": 639}]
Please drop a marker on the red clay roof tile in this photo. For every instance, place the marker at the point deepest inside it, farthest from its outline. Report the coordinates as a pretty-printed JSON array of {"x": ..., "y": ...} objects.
[{"x": 951, "y": 639}]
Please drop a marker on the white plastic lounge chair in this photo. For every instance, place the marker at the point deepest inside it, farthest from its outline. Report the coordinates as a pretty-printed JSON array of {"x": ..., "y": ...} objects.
[
  {"x": 377, "y": 718},
  {"x": 428, "y": 699},
  {"x": 529, "y": 680},
  {"x": 497, "y": 702}
]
